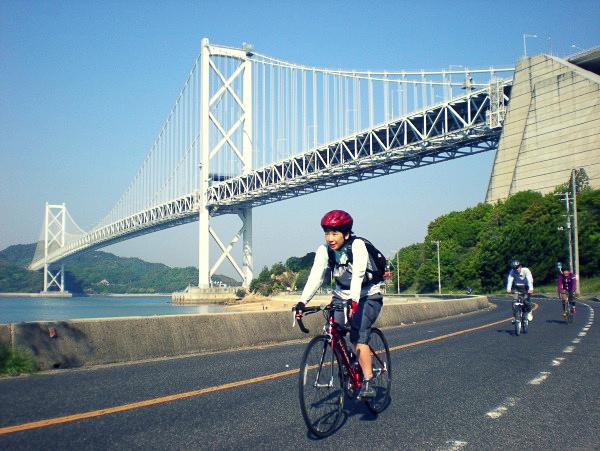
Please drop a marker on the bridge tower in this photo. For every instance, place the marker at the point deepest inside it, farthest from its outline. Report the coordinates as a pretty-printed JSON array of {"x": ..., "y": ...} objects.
[
  {"x": 216, "y": 134},
  {"x": 54, "y": 235}
]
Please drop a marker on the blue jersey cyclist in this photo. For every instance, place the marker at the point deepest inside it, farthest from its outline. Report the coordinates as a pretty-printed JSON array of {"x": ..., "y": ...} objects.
[{"x": 352, "y": 286}]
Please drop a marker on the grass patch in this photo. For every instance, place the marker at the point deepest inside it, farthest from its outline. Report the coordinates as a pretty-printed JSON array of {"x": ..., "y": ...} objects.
[
  {"x": 16, "y": 361},
  {"x": 588, "y": 285}
]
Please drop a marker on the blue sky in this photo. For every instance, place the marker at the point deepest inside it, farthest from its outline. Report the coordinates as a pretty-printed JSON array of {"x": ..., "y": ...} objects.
[{"x": 85, "y": 87}]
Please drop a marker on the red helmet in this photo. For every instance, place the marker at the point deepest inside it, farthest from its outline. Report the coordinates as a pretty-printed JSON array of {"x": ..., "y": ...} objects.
[{"x": 337, "y": 220}]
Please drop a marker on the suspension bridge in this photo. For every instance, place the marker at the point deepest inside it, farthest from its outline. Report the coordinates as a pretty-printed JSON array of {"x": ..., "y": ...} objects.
[{"x": 248, "y": 130}]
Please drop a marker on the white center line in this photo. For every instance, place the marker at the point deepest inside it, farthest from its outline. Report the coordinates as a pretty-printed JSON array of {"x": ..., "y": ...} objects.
[
  {"x": 557, "y": 361},
  {"x": 569, "y": 349},
  {"x": 454, "y": 445},
  {"x": 576, "y": 340}
]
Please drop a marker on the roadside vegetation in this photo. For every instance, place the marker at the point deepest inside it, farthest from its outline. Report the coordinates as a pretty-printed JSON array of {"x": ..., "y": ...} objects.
[
  {"x": 476, "y": 246},
  {"x": 15, "y": 361}
]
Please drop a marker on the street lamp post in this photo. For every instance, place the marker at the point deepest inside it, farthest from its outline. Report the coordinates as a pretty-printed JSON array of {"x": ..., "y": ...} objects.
[
  {"x": 439, "y": 272},
  {"x": 525, "y": 36}
]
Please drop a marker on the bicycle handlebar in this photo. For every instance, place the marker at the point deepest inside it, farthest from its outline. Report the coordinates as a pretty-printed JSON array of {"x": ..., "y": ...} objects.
[{"x": 310, "y": 311}]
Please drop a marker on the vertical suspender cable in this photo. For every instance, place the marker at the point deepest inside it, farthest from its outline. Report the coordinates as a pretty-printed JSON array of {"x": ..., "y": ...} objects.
[
  {"x": 314, "y": 105},
  {"x": 263, "y": 144},
  {"x": 370, "y": 100},
  {"x": 304, "y": 123},
  {"x": 325, "y": 77}
]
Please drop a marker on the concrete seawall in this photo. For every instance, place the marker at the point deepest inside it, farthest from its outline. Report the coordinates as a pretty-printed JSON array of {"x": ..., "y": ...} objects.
[{"x": 88, "y": 342}]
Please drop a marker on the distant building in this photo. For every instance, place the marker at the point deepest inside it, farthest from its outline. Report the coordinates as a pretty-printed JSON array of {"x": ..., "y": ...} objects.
[
  {"x": 103, "y": 283},
  {"x": 552, "y": 125}
]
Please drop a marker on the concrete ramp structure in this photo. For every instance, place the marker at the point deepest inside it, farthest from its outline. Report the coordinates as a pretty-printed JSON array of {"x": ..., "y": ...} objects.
[{"x": 552, "y": 125}]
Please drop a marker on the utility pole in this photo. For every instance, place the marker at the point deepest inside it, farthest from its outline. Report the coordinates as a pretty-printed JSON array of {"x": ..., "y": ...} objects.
[
  {"x": 398, "y": 271},
  {"x": 575, "y": 231},
  {"x": 439, "y": 272},
  {"x": 569, "y": 238}
]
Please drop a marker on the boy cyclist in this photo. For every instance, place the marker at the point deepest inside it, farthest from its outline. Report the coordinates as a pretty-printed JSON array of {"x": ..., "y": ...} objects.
[{"x": 353, "y": 286}]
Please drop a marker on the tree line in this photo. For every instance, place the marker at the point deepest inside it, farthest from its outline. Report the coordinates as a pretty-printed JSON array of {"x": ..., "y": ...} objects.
[{"x": 476, "y": 247}]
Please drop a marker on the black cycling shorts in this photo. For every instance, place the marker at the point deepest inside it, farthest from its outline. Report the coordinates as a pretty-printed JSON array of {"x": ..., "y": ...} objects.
[{"x": 362, "y": 321}]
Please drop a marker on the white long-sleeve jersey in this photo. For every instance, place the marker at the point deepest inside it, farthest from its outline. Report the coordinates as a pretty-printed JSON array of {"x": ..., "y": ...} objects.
[
  {"x": 522, "y": 277},
  {"x": 343, "y": 269}
]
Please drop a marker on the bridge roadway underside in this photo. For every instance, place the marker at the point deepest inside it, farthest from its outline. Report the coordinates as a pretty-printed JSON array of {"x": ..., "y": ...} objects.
[{"x": 378, "y": 165}]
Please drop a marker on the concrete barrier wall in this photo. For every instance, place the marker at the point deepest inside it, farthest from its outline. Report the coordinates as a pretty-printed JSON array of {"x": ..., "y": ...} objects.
[{"x": 89, "y": 342}]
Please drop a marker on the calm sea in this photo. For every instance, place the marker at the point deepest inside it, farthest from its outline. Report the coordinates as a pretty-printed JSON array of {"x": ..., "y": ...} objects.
[{"x": 13, "y": 310}]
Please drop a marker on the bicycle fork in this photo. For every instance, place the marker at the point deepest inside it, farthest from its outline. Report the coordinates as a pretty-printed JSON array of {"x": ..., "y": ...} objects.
[{"x": 321, "y": 367}]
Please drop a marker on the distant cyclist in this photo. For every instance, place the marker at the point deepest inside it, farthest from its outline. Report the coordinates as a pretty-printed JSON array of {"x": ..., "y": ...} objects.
[
  {"x": 520, "y": 278},
  {"x": 566, "y": 285},
  {"x": 350, "y": 268}
]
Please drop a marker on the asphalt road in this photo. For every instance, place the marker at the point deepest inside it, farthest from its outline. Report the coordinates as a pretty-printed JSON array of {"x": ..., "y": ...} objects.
[{"x": 478, "y": 389}]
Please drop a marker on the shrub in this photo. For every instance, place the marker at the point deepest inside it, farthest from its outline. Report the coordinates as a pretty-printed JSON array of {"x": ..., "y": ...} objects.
[{"x": 16, "y": 361}]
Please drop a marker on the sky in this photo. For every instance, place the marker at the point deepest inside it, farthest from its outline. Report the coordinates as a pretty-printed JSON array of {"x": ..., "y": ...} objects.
[{"x": 86, "y": 85}]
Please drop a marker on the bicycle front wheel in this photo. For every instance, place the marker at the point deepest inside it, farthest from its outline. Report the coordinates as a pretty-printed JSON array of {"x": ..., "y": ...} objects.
[
  {"x": 517, "y": 324},
  {"x": 321, "y": 387},
  {"x": 382, "y": 372}
]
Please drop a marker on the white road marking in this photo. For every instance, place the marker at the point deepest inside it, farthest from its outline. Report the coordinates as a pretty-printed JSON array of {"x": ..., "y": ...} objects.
[
  {"x": 582, "y": 334},
  {"x": 502, "y": 409},
  {"x": 541, "y": 378},
  {"x": 557, "y": 361},
  {"x": 453, "y": 445},
  {"x": 576, "y": 340},
  {"x": 569, "y": 349}
]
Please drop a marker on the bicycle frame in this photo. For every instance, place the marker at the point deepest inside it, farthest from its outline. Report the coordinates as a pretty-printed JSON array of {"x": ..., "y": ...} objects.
[
  {"x": 339, "y": 344},
  {"x": 336, "y": 340}
]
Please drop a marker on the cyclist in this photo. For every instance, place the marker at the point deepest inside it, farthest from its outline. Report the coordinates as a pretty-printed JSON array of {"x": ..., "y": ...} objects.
[
  {"x": 352, "y": 286},
  {"x": 521, "y": 278},
  {"x": 566, "y": 285}
]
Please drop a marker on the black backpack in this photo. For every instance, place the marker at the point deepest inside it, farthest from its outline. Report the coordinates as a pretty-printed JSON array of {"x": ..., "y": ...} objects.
[{"x": 376, "y": 267}]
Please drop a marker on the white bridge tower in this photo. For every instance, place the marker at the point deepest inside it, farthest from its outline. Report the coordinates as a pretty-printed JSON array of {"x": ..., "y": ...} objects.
[
  {"x": 218, "y": 132},
  {"x": 54, "y": 235}
]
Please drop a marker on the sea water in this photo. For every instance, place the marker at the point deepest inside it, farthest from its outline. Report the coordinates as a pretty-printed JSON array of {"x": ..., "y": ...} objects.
[{"x": 18, "y": 309}]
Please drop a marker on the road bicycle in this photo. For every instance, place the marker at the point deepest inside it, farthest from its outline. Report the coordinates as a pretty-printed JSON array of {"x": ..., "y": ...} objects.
[
  {"x": 568, "y": 307},
  {"x": 520, "y": 315},
  {"x": 330, "y": 372}
]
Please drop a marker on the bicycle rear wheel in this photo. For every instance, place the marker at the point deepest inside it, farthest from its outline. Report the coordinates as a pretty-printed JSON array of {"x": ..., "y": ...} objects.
[
  {"x": 321, "y": 387},
  {"x": 382, "y": 372},
  {"x": 518, "y": 324}
]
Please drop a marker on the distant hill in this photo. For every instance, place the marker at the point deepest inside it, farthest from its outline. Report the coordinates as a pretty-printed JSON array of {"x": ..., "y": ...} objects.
[{"x": 98, "y": 272}]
